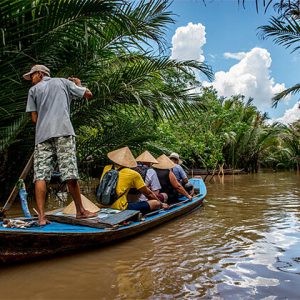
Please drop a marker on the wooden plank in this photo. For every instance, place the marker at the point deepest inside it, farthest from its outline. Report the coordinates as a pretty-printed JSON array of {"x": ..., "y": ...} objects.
[
  {"x": 120, "y": 217},
  {"x": 109, "y": 221},
  {"x": 73, "y": 221}
]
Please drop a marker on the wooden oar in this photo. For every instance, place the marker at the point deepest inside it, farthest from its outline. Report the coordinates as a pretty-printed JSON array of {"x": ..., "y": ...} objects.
[{"x": 15, "y": 190}]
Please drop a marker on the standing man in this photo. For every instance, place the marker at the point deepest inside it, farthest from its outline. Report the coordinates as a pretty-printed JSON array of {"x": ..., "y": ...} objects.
[{"x": 49, "y": 104}]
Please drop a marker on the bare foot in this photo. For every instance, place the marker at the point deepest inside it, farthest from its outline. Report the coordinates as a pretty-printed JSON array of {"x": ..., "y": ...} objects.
[
  {"x": 86, "y": 214},
  {"x": 43, "y": 222},
  {"x": 42, "y": 218}
]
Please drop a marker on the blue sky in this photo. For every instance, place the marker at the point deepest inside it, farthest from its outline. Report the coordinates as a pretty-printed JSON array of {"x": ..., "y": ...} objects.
[{"x": 251, "y": 66}]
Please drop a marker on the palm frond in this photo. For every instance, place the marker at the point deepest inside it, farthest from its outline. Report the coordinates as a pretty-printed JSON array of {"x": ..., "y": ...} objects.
[
  {"x": 116, "y": 131},
  {"x": 140, "y": 80},
  {"x": 284, "y": 32},
  {"x": 9, "y": 133},
  {"x": 292, "y": 90}
]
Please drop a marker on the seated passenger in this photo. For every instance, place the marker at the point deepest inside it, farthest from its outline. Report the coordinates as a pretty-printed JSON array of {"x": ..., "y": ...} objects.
[
  {"x": 180, "y": 173},
  {"x": 169, "y": 183},
  {"x": 123, "y": 160},
  {"x": 144, "y": 167}
]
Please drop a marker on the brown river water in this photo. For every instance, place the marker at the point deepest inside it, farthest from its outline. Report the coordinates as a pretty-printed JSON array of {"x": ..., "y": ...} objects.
[{"x": 243, "y": 244}]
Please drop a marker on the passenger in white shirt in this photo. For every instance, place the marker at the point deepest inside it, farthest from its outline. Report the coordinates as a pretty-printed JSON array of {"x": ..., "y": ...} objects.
[{"x": 145, "y": 161}]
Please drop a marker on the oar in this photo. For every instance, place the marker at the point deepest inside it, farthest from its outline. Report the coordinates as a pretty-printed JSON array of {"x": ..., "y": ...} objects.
[{"x": 15, "y": 190}]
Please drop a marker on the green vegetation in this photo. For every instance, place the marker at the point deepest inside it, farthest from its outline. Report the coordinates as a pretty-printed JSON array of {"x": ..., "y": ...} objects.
[
  {"x": 142, "y": 98},
  {"x": 115, "y": 47},
  {"x": 284, "y": 29},
  {"x": 230, "y": 132}
]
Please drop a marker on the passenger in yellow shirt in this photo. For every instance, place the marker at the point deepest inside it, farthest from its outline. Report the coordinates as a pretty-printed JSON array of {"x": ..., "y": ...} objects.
[{"x": 124, "y": 160}]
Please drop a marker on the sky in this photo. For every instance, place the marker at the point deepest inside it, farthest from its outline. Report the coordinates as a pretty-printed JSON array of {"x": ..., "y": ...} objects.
[{"x": 224, "y": 35}]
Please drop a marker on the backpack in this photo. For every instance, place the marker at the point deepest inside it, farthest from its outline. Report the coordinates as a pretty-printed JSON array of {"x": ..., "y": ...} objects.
[
  {"x": 142, "y": 170},
  {"x": 107, "y": 190}
]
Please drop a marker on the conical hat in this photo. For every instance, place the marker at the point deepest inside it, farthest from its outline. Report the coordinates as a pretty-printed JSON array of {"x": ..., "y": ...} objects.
[
  {"x": 122, "y": 157},
  {"x": 146, "y": 157},
  {"x": 164, "y": 162},
  {"x": 87, "y": 204}
]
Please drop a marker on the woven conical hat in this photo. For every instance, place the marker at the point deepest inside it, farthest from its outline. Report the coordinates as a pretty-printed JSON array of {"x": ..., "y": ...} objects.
[
  {"x": 123, "y": 157},
  {"x": 164, "y": 162},
  {"x": 146, "y": 157},
  {"x": 87, "y": 204}
]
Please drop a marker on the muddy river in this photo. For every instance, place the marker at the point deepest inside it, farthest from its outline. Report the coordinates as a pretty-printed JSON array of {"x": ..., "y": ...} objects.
[{"x": 243, "y": 244}]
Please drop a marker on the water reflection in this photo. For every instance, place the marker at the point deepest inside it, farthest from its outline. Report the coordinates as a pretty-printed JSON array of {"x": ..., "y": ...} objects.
[{"x": 243, "y": 244}]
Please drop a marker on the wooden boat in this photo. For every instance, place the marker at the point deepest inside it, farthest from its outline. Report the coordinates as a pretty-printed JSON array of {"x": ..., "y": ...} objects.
[{"x": 23, "y": 244}]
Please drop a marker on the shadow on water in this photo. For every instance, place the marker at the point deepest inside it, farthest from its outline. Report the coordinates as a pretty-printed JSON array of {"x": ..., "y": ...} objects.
[{"x": 244, "y": 243}]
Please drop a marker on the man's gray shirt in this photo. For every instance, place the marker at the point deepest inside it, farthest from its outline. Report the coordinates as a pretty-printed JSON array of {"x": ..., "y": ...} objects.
[{"x": 51, "y": 99}]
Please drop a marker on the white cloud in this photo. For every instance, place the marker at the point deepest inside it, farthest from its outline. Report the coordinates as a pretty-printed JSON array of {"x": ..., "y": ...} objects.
[
  {"x": 238, "y": 56},
  {"x": 249, "y": 77},
  {"x": 188, "y": 42},
  {"x": 291, "y": 115}
]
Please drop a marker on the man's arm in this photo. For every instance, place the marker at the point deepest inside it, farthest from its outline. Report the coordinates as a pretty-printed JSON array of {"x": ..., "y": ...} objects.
[
  {"x": 184, "y": 178},
  {"x": 177, "y": 186},
  {"x": 148, "y": 193},
  {"x": 31, "y": 106},
  {"x": 88, "y": 94},
  {"x": 34, "y": 116},
  {"x": 151, "y": 196}
]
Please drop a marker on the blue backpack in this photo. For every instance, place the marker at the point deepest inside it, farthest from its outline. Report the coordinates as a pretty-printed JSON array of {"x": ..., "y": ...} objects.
[{"x": 107, "y": 190}]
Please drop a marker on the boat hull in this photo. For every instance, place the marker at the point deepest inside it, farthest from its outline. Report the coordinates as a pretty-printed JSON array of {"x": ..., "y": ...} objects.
[{"x": 56, "y": 238}]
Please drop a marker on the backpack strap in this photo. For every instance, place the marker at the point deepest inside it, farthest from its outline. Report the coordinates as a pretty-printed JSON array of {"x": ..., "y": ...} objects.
[{"x": 114, "y": 168}]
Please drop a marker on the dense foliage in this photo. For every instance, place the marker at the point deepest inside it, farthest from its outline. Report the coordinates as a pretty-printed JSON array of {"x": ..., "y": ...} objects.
[
  {"x": 105, "y": 43},
  {"x": 115, "y": 47},
  {"x": 230, "y": 133},
  {"x": 142, "y": 98},
  {"x": 284, "y": 29}
]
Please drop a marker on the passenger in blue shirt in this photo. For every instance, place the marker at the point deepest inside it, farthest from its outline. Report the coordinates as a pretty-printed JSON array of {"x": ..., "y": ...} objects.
[{"x": 180, "y": 174}]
